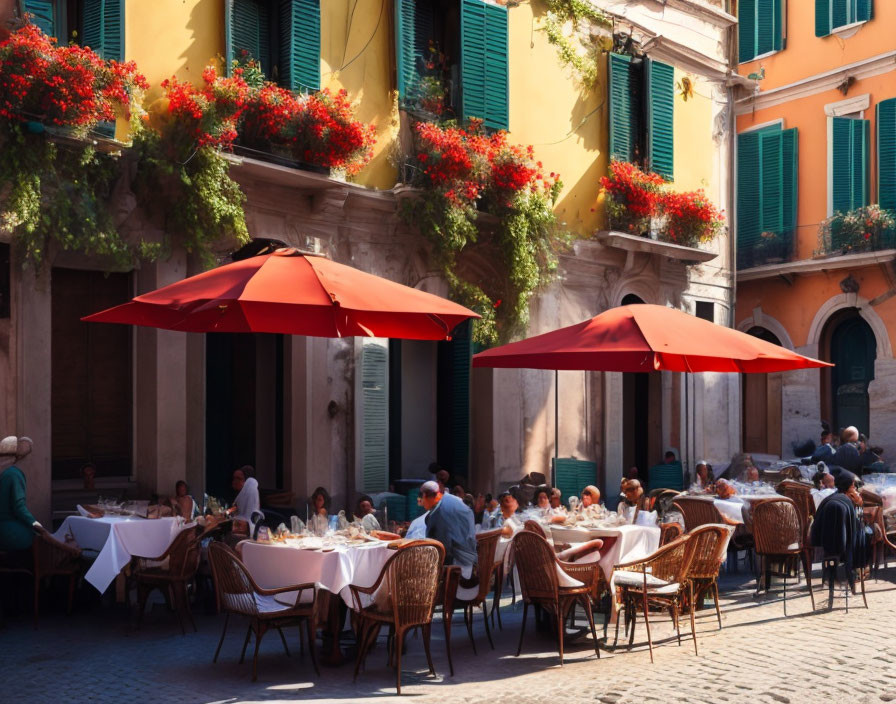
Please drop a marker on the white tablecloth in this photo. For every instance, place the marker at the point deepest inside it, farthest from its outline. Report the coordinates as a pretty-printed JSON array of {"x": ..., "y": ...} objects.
[
  {"x": 632, "y": 542},
  {"x": 117, "y": 539},
  {"x": 280, "y": 565}
]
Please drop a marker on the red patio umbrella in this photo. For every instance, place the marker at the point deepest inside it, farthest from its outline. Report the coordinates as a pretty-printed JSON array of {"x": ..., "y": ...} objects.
[
  {"x": 294, "y": 294},
  {"x": 644, "y": 338}
]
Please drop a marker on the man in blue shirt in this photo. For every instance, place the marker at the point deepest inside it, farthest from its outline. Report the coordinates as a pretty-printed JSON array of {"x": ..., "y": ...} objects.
[{"x": 450, "y": 521}]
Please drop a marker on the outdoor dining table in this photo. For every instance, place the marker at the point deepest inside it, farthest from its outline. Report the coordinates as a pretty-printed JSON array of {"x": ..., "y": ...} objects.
[{"x": 116, "y": 539}]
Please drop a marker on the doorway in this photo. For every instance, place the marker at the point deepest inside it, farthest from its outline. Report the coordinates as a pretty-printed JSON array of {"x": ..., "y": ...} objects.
[
  {"x": 761, "y": 416},
  {"x": 91, "y": 363},
  {"x": 853, "y": 350},
  {"x": 244, "y": 409}
]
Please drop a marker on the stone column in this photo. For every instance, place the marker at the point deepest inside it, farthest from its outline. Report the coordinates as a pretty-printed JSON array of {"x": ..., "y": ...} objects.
[
  {"x": 801, "y": 404},
  {"x": 882, "y": 407},
  {"x": 613, "y": 434},
  {"x": 34, "y": 388}
]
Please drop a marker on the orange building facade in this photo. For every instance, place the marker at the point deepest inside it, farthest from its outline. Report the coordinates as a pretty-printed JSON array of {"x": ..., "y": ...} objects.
[{"x": 816, "y": 152}]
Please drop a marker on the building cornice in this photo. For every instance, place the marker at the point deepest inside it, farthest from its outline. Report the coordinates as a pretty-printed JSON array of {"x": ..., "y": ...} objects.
[
  {"x": 819, "y": 83},
  {"x": 705, "y": 11},
  {"x": 634, "y": 244},
  {"x": 817, "y": 266}
]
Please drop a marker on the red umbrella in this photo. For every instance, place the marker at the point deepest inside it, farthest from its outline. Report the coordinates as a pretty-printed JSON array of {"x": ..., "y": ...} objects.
[
  {"x": 294, "y": 294},
  {"x": 646, "y": 338}
]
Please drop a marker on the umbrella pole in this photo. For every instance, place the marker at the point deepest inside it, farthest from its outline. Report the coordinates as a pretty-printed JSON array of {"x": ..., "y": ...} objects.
[{"x": 556, "y": 412}]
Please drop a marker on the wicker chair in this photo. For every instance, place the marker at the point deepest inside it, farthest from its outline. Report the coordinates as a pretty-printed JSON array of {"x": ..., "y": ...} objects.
[
  {"x": 537, "y": 566},
  {"x": 697, "y": 512},
  {"x": 469, "y": 598},
  {"x": 54, "y": 558},
  {"x": 780, "y": 544},
  {"x": 873, "y": 515},
  {"x": 535, "y": 527},
  {"x": 237, "y": 593},
  {"x": 170, "y": 572},
  {"x": 669, "y": 532},
  {"x": 411, "y": 577},
  {"x": 709, "y": 544},
  {"x": 663, "y": 499},
  {"x": 661, "y": 579}
]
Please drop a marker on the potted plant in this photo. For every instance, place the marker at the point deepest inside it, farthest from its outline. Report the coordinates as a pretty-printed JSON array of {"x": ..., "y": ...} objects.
[{"x": 631, "y": 197}]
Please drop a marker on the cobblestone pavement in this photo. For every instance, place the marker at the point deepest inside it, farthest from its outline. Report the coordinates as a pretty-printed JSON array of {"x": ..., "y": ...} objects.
[{"x": 759, "y": 656}]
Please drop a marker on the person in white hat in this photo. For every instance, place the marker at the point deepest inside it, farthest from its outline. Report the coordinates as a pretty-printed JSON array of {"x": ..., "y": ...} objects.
[{"x": 17, "y": 525}]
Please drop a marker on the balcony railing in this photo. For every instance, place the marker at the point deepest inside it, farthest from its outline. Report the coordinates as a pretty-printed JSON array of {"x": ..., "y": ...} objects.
[
  {"x": 865, "y": 229},
  {"x": 771, "y": 248}
]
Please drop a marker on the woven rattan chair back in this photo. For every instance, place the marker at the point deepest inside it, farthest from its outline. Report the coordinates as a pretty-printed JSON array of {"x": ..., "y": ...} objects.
[
  {"x": 697, "y": 511},
  {"x": 535, "y": 566},
  {"x": 801, "y": 495},
  {"x": 52, "y": 557},
  {"x": 233, "y": 586},
  {"x": 777, "y": 529},
  {"x": 183, "y": 554},
  {"x": 869, "y": 498},
  {"x": 669, "y": 532},
  {"x": 486, "y": 547},
  {"x": 672, "y": 562},
  {"x": 535, "y": 527},
  {"x": 413, "y": 578},
  {"x": 708, "y": 544}
]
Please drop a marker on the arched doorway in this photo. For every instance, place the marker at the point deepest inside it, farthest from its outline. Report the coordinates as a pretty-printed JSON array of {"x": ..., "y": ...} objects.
[
  {"x": 853, "y": 350},
  {"x": 641, "y": 419},
  {"x": 761, "y": 417}
]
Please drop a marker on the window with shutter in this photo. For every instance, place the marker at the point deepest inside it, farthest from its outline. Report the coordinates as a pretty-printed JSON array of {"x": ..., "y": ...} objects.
[
  {"x": 886, "y": 154},
  {"x": 282, "y": 35},
  {"x": 626, "y": 107},
  {"x": 102, "y": 27},
  {"x": 848, "y": 163},
  {"x": 760, "y": 28},
  {"x": 661, "y": 108},
  {"x": 767, "y": 181},
  {"x": 300, "y": 45},
  {"x": 43, "y": 14},
  {"x": 831, "y": 14},
  {"x": 414, "y": 31},
  {"x": 484, "y": 64},
  {"x": 374, "y": 390}
]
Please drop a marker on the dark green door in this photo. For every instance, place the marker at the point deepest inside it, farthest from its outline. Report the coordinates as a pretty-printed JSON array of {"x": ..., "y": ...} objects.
[{"x": 853, "y": 351}]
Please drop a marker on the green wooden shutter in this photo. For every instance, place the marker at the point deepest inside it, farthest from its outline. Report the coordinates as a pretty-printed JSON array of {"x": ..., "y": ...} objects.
[
  {"x": 623, "y": 126},
  {"x": 247, "y": 28},
  {"x": 864, "y": 10},
  {"x": 790, "y": 179},
  {"x": 43, "y": 14},
  {"x": 461, "y": 358},
  {"x": 771, "y": 160},
  {"x": 822, "y": 18},
  {"x": 661, "y": 109},
  {"x": 749, "y": 195},
  {"x": 103, "y": 28},
  {"x": 484, "y": 63},
  {"x": 746, "y": 30},
  {"x": 766, "y": 25},
  {"x": 886, "y": 154},
  {"x": 375, "y": 418},
  {"x": 860, "y": 143},
  {"x": 414, "y": 20},
  {"x": 849, "y": 163},
  {"x": 778, "y": 15},
  {"x": 841, "y": 10},
  {"x": 300, "y": 44}
]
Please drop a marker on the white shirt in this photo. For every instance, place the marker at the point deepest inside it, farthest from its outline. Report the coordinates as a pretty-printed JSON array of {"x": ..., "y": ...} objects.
[{"x": 247, "y": 502}]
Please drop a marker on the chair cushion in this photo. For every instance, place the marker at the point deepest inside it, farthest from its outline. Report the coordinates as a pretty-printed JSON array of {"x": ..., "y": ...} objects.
[
  {"x": 564, "y": 580},
  {"x": 655, "y": 585},
  {"x": 467, "y": 593}
]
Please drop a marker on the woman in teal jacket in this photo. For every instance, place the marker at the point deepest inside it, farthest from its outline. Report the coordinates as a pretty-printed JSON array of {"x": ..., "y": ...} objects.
[{"x": 17, "y": 525}]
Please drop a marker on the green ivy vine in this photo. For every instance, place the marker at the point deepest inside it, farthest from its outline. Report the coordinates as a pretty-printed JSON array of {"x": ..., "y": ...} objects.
[
  {"x": 56, "y": 191},
  {"x": 583, "y": 60}
]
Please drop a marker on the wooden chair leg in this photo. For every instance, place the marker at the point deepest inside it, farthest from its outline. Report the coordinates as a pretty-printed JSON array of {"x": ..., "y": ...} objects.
[
  {"x": 468, "y": 619},
  {"x": 715, "y": 596},
  {"x": 36, "y": 600},
  {"x": 399, "y": 643},
  {"x": 589, "y": 613},
  {"x": 693, "y": 626},
  {"x": 245, "y": 644},
  {"x": 647, "y": 626},
  {"x": 561, "y": 623},
  {"x": 283, "y": 639},
  {"x": 427, "y": 630},
  {"x": 185, "y": 601},
  {"x": 488, "y": 632},
  {"x": 519, "y": 648},
  {"x": 258, "y": 635},
  {"x": 221, "y": 641},
  {"x": 862, "y": 582},
  {"x": 446, "y": 624},
  {"x": 363, "y": 645},
  {"x": 310, "y": 627},
  {"x": 71, "y": 593}
]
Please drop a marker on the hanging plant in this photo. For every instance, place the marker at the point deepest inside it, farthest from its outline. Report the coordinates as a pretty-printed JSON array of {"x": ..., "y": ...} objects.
[
  {"x": 56, "y": 189},
  {"x": 463, "y": 172},
  {"x": 583, "y": 59}
]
